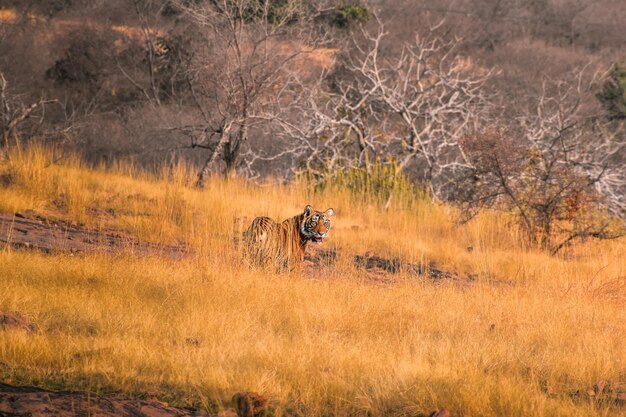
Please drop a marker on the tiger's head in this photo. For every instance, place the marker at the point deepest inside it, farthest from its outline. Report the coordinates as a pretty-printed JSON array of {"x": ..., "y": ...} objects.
[{"x": 315, "y": 225}]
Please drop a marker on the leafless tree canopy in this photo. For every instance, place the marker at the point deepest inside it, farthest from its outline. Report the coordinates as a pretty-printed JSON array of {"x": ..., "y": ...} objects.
[
  {"x": 243, "y": 60},
  {"x": 16, "y": 117},
  {"x": 557, "y": 169},
  {"x": 409, "y": 110}
]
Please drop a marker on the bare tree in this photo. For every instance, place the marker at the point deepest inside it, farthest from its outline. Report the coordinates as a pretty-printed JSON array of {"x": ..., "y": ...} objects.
[
  {"x": 557, "y": 170},
  {"x": 160, "y": 76},
  {"x": 247, "y": 51},
  {"x": 568, "y": 127},
  {"x": 409, "y": 109},
  {"x": 15, "y": 115}
]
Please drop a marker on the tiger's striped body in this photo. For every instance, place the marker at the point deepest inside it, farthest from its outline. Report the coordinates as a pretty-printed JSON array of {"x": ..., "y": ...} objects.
[{"x": 281, "y": 246}]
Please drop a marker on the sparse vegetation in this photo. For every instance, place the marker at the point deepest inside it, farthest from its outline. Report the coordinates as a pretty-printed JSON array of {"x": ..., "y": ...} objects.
[{"x": 379, "y": 183}]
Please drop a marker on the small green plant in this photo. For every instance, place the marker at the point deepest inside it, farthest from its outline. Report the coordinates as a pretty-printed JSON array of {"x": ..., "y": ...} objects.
[
  {"x": 275, "y": 12},
  {"x": 378, "y": 183},
  {"x": 350, "y": 14}
]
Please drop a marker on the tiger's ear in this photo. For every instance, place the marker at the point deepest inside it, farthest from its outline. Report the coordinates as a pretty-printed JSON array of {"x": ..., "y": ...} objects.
[
  {"x": 307, "y": 210},
  {"x": 329, "y": 212}
]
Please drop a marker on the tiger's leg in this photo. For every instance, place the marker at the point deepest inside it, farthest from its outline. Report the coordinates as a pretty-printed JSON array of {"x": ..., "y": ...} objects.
[
  {"x": 256, "y": 239},
  {"x": 248, "y": 253}
]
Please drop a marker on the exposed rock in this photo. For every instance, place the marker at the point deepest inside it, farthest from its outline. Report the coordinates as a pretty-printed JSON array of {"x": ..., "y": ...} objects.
[
  {"x": 250, "y": 404},
  {"x": 372, "y": 262},
  {"x": 31, "y": 401},
  {"x": 317, "y": 257}
]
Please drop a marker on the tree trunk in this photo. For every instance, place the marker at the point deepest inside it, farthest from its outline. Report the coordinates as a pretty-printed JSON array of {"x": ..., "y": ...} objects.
[
  {"x": 4, "y": 145},
  {"x": 232, "y": 151},
  {"x": 230, "y": 159},
  {"x": 231, "y": 164},
  {"x": 220, "y": 148},
  {"x": 204, "y": 172}
]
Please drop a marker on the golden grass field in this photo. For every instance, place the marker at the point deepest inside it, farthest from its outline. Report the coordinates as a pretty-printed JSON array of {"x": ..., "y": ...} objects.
[{"x": 528, "y": 337}]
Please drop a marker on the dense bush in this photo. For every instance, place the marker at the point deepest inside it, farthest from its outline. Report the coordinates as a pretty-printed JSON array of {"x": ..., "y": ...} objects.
[{"x": 613, "y": 92}]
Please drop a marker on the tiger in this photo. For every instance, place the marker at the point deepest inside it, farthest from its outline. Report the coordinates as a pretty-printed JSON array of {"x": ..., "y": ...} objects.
[{"x": 280, "y": 246}]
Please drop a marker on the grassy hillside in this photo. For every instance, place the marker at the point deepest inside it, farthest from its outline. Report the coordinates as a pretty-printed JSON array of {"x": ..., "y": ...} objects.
[{"x": 529, "y": 335}]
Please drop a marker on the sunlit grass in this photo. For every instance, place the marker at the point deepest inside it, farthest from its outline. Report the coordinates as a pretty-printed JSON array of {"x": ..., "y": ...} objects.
[{"x": 529, "y": 336}]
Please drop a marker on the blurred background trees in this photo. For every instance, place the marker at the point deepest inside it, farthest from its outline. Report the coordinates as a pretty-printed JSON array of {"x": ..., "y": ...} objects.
[{"x": 476, "y": 102}]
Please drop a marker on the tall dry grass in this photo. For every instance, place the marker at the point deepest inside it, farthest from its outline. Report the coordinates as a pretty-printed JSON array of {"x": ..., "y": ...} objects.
[{"x": 529, "y": 336}]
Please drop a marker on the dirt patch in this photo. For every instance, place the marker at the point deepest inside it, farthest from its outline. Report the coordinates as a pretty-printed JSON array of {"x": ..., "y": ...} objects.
[
  {"x": 15, "y": 321},
  {"x": 31, "y": 231},
  {"x": 318, "y": 261},
  {"x": 603, "y": 393},
  {"x": 318, "y": 257},
  {"x": 375, "y": 263},
  {"x": 30, "y": 401}
]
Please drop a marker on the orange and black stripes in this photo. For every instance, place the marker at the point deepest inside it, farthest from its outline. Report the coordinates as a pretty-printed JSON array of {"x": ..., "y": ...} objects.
[{"x": 281, "y": 246}]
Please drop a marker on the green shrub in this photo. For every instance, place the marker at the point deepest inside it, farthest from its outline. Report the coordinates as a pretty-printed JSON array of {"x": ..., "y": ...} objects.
[
  {"x": 381, "y": 183},
  {"x": 350, "y": 14},
  {"x": 613, "y": 93}
]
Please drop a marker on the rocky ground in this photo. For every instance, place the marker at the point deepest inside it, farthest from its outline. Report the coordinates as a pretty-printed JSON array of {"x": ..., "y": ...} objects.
[
  {"x": 31, "y": 401},
  {"x": 32, "y": 231}
]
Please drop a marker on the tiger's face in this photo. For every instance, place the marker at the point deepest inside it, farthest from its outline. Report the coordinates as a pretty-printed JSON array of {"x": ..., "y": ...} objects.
[{"x": 316, "y": 224}]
